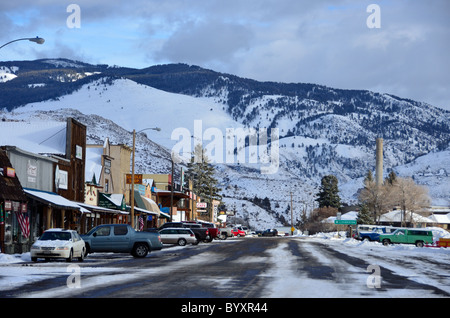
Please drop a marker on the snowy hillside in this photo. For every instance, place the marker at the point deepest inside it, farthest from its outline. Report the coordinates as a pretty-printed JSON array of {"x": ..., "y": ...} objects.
[
  {"x": 109, "y": 100},
  {"x": 134, "y": 106},
  {"x": 322, "y": 131},
  {"x": 7, "y": 74}
]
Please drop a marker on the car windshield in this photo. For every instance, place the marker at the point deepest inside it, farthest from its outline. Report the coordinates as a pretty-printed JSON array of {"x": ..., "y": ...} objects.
[{"x": 53, "y": 236}]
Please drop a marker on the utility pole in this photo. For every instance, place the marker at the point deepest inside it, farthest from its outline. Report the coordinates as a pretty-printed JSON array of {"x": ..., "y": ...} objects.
[
  {"x": 171, "y": 193},
  {"x": 132, "y": 180},
  {"x": 292, "y": 217}
]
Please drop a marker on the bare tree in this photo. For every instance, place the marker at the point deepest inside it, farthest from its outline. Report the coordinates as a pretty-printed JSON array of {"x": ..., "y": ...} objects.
[
  {"x": 378, "y": 199},
  {"x": 395, "y": 191},
  {"x": 409, "y": 196}
]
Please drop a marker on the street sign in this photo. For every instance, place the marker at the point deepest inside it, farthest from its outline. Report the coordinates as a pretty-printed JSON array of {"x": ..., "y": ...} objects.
[{"x": 349, "y": 222}]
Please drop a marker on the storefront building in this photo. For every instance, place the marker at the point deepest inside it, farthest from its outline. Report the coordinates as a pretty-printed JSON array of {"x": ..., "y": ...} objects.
[{"x": 14, "y": 217}]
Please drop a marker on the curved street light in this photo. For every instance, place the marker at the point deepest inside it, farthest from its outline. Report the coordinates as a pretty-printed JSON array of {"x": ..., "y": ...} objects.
[
  {"x": 37, "y": 40},
  {"x": 132, "y": 172}
]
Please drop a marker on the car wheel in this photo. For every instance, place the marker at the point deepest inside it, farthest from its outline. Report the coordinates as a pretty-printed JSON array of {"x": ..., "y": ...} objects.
[
  {"x": 386, "y": 242},
  {"x": 86, "y": 251},
  {"x": 69, "y": 259},
  {"x": 196, "y": 242},
  {"x": 182, "y": 242},
  {"x": 81, "y": 258},
  {"x": 140, "y": 250},
  {"x": 419, "y": 243}
]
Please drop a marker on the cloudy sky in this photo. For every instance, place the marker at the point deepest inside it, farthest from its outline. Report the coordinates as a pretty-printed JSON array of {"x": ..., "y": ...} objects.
[{"x": 327, "y": 42}]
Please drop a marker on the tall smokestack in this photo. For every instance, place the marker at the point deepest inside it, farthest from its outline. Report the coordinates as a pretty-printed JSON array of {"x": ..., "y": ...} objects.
[{"x": 379, "y": 163}]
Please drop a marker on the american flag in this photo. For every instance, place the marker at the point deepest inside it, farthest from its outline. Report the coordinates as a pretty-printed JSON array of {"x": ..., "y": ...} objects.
[
  {"x": 24, "y": 222},
  {"x": 141, "y": 223}
]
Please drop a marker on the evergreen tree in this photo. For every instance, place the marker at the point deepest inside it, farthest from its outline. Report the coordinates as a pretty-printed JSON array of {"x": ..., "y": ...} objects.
[
  {"x": 364, "y": 216},
  {"x": 328, "y": 194},
  {"x": 201, "y": 172}
]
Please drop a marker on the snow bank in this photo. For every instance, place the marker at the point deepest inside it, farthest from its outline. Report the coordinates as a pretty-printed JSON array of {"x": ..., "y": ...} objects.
[{"x": 14, "y": 258}]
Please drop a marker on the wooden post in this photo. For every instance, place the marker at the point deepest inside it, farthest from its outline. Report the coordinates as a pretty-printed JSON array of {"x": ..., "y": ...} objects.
[
  {"x": 49, "y": 217},
  {"x": 63, "y": 214}
]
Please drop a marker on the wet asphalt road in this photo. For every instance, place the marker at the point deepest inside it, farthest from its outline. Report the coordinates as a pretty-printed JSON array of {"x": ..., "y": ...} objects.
[{"x": 237, "y": 268}]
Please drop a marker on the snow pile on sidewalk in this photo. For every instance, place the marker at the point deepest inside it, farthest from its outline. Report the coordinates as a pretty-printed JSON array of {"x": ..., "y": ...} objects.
[{"x": 14, "y": 258}]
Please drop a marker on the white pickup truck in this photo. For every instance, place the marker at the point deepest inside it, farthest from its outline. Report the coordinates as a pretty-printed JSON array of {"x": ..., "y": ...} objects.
[{"x": 224, "y": 233}]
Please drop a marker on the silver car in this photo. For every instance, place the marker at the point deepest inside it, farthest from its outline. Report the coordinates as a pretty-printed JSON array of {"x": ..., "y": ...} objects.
[{"x": 180, "y": 236}]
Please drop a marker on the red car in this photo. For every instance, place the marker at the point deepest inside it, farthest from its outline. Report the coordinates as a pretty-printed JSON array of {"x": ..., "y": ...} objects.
[{"x": 237, "y": 232}]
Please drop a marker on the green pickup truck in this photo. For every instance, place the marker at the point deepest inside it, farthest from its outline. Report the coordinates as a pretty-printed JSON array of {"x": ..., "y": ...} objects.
[{"x": 408, "y": 236}]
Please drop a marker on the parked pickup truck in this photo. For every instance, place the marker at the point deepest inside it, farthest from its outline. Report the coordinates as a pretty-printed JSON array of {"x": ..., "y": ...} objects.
[
  {"x": 225, "y": 232},
  {"x": 408, "y": 236},
  {"x": 121, "y": 238},
  {"x": 201, "y": 233},
  {"x": 374, "y": 235},
  {"x": 213, "y": 230}
]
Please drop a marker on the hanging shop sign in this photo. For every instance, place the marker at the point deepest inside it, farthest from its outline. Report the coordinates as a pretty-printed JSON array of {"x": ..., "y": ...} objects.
[
  {"x": 8, "y": 206},
  {"x": 137, "y": 178},
  {"x": 8, "y": 172},
  {"x": 202, "y": 205}
]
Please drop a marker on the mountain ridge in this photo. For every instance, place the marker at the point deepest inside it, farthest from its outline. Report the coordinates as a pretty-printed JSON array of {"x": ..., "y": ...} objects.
[{"x": 322, "y": 130}]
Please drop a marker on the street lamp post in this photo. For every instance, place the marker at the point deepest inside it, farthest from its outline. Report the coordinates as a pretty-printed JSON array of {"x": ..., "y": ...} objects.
[
  {"x": 37, "y": 40},
  {"x": 132, "y": 172}
]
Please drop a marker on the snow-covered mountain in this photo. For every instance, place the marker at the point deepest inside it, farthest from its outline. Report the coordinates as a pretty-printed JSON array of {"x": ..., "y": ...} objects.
[{"x": 322, "y": 130}]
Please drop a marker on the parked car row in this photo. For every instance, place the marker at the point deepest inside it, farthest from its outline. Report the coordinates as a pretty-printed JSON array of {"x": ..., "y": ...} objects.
[
  {"x": 391, "y": 235},
  {"x": 116, "y": 238},
  {"x": 232, "y": 231}
]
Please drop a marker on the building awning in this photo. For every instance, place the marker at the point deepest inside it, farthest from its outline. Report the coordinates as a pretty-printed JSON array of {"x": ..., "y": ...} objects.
[
  {"x": 151, "y": 205},
  {"x": 95, "y": 208},
  {"x": 54, "y": 200},
  {"x": 137, "y": 209},
  {"x": 138, "y": 202}
]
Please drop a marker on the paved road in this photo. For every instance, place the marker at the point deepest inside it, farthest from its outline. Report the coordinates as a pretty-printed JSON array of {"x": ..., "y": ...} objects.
[{"x": 238, "y": 268}]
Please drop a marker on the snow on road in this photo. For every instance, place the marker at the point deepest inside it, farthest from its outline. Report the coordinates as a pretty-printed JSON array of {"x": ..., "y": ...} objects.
[{"x": 323, "y": 266}]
